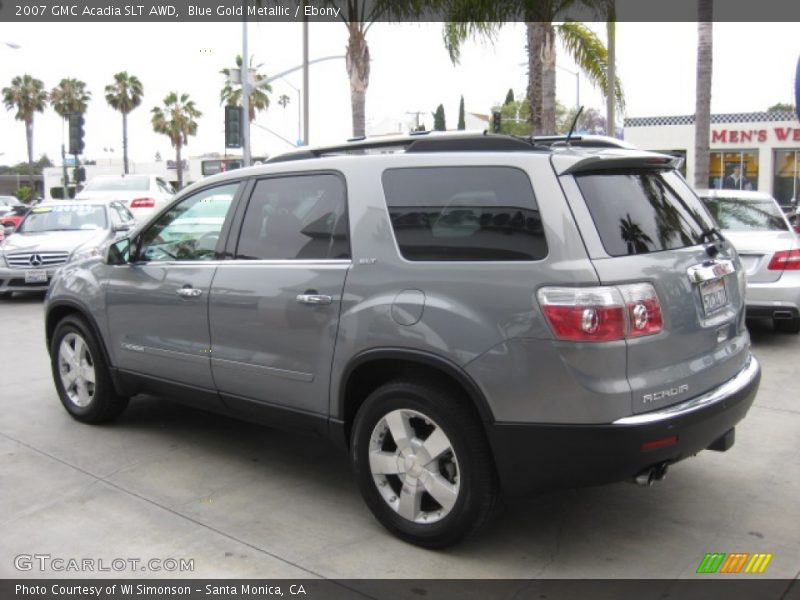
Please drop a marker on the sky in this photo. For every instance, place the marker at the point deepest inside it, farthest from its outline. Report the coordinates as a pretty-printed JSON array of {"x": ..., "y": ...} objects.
[{"x": 754, "y": 67}]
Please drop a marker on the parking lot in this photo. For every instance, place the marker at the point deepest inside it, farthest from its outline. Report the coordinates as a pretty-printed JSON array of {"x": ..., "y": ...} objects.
[{"x": 245, "y": 501}]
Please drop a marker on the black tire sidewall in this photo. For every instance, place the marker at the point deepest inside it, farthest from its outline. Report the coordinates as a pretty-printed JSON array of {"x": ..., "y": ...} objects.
[
  {"x": 476, "y": 474},
  {"x": 104, "y": 395}
]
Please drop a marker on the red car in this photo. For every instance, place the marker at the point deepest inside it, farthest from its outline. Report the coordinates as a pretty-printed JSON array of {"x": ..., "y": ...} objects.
[{"x": 14, "y": 216}]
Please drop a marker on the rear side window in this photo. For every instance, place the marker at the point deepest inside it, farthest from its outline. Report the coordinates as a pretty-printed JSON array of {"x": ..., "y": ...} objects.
[
  {"x": 296, "y": 217},
  {"x": 464, "y": 214},
  {"x": 737, "y": 214},
  {"x": 638, "y": 213}
]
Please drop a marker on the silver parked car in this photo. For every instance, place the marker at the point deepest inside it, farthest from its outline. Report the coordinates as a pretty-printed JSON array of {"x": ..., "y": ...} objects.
[
  {"x": 465, "y": 315},
  {"x": 52, "y": 234},
  {"x": 768, "y": 248},
  {"x": 144, "y": 195},
  {"x": 7, "y": 203}
]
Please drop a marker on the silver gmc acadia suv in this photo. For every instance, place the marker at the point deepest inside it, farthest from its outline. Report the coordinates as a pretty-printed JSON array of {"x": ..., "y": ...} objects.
[{"x": 464, "y": 314}]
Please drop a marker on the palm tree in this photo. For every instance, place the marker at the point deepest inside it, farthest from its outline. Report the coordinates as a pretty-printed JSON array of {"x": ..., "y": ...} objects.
[
  {"x": 702, "y": 119},
  {"x": 177, "y": 121},
  {"x": 611, "y": 49},
  {"x": 124, "y": 95},
  {"x": 468, "y": 18},
  {"x": 358, "y": 17},
  {"x": 70, "y": 97},
  {"x": 231, "y": 94},
  {"x": 27, "y": 96}
]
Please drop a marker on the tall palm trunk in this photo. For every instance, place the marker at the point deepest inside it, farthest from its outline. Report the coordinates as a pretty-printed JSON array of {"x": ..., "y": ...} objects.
[
  {"x": 534, "y": 42},
  {"x": 611, "y": 48},
  {"x": 179, "y": 165},
  {"x": 702, "y": 120},
  {"x": 358, "y": 70},
  {"x": 125, "y": 141},
  {"x": 548, "y": 56},
  {"x": 29, "y": 138}
]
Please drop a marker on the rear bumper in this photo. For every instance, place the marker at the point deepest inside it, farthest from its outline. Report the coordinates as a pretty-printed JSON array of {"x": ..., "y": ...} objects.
[
  {"x": 532, "y": 457},
  {"x": 781, "y": 296}
]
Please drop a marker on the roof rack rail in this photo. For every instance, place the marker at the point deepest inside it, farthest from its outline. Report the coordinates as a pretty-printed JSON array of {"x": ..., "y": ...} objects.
[
  {"x": 582, "y": 141},
  {"x": 421, "y": 141}
]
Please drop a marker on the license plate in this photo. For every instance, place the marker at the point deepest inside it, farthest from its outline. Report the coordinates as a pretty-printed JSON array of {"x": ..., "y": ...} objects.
[
  {"x": 714, "y": 295},
  {"x": 35, "y": 276}
]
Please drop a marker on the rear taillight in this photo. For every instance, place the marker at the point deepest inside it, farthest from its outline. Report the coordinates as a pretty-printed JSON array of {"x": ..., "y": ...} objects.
[
  {"x": 143, "y": 203},
  {"x": 601, "y": 314},
  {"x": 785, "y": 260}
]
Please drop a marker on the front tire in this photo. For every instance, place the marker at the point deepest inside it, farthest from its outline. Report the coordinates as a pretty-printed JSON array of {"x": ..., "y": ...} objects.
[
  {"x": 423, "y": 464},
  {"x": 81, "y": 374}
]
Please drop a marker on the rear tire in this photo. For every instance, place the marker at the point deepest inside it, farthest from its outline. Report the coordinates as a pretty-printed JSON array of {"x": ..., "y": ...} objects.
[
  {"x": 787, "y": 325},
  {"x": 81, "y": 374},
  {"x": 423, "y": 464}
]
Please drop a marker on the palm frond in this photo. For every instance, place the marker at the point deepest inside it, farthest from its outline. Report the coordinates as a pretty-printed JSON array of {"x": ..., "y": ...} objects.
[{"x": 589, "y": 53}]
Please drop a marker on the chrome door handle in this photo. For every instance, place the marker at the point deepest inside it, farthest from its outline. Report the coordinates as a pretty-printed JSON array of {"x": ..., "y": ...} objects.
[
  {"x": 316, "y": 299},
  {"x": 188, "y": 292}
]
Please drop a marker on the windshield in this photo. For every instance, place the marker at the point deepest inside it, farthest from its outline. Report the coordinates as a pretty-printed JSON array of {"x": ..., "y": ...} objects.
[
  {"x": 737, "y": 214},
  {"x": 132, "y": 183},
  {"x": 72, "y": 217}
]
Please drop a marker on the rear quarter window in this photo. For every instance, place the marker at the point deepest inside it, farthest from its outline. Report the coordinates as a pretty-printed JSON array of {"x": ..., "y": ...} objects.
[
  {"x": 464, "y": 214},
  {"x": 642, "y": 212}
]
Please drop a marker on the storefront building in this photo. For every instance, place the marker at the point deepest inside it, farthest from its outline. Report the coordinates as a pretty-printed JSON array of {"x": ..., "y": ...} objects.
[{"x": 753, "y": 151}]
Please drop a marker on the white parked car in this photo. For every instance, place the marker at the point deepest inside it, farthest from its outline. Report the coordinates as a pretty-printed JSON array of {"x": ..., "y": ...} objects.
[
  {"x": 142, "y": 194},
  {"x": 769, "y": 249}
]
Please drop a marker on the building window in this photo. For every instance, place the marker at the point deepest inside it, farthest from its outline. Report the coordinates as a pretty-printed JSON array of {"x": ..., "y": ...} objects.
[
  {"x": 733, "y": 170},
  {"x": 786, "y": 178}
]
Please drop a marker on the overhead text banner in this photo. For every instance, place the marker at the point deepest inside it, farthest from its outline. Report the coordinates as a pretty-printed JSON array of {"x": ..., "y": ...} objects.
[{"x": 380, "y": 10}]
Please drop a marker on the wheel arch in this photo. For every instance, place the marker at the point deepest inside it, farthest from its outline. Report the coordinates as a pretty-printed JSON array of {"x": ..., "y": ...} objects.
[
  {"x": 58, "y": 311},
  {"x": 368, "y": 370}
]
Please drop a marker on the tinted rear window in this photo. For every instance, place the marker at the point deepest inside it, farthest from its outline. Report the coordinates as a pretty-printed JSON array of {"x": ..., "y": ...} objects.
[
  {"x": 638, "y": 213},
  {"x": 464, "y": 214},
  {"x": 737, "y": 214}
]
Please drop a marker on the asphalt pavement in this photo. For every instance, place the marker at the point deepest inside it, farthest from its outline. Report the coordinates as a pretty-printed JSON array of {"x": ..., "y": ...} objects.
[{"x": 166, "y": 482}]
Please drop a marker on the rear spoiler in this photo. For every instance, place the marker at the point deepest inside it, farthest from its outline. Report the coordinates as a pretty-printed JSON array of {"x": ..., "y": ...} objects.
[{"x": 608, "y": 161}]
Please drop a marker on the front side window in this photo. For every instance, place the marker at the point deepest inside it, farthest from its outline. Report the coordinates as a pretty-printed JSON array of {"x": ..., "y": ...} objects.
[
  {"x": 464, "y": 214},
  {"x": 189, "y": 230},
  {"x": 296, "y": 217},
  {"x": 641, "y": 212}
]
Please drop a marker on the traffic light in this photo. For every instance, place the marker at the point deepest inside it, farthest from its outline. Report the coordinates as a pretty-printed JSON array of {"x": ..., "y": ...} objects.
[
  {"x": 496, "y": 124},
  {"x": 76, "y": 134},
  {"x": 234, "y": 124},
  {"x": 79, "y": 174}
]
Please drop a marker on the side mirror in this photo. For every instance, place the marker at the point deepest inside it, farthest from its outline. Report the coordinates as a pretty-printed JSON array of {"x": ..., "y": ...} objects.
[
  {"x": 119, "y": 253},
  {"x": 8, "y": 230},
  {"x": 122, "y": 227}
]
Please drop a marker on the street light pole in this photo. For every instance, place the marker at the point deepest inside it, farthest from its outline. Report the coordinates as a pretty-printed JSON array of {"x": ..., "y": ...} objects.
[
  {"x": 577, "y": 84},
  {"x": 245, "y": 72},
  {"x": 306, "y": 91}
]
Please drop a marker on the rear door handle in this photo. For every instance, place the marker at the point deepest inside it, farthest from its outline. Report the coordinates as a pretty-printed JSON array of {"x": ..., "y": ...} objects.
[
  {"x": 316, "y": 299},
  {"x": 188, "y": 291}
]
